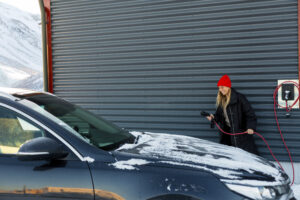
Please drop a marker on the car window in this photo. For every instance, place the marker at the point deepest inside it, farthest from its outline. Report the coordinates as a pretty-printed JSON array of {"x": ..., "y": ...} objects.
[
  {"x": 15, "y": 130},
  {"x": 94, "y": 129},
  {"x": 41, "y": 110}
]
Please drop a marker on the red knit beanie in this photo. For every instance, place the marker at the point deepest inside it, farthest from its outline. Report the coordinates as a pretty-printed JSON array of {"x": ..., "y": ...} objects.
[{"x": 225, "y": 81}]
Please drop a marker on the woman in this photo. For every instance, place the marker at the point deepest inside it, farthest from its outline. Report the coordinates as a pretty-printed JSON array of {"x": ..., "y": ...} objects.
[{"x": 234, "y": 114}]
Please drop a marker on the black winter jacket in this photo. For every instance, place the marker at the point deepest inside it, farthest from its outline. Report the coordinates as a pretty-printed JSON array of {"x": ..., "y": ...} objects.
[{"x": 241, "y": 117}]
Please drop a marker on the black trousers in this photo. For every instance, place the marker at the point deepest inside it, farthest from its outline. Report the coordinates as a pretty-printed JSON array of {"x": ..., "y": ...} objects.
[{"x": 225, "y": 138}]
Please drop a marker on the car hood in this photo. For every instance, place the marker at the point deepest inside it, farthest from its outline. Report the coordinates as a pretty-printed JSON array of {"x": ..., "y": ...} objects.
[{"x": 230, "y": 164}]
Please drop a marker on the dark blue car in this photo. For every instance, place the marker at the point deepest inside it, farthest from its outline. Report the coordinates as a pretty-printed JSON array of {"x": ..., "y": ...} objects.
[{"x": 52, "y": 149}]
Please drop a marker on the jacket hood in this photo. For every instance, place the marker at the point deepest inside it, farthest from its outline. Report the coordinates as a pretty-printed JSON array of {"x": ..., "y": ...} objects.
[{"x": 230, "y": 164}]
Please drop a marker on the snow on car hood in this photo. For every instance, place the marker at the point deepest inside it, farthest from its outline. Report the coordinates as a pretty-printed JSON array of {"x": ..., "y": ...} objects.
[{"x": 229, "y": 163}]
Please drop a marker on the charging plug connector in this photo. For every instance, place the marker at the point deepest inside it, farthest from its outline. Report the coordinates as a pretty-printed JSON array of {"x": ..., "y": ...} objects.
[
  {"x": 288, "y": 92},
  {"x": 287, "y": 95}
]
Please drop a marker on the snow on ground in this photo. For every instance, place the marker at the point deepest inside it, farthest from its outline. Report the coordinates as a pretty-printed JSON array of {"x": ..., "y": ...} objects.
[
  {"x": 296, "y": 189},
  {"x": 12, "y": 73},
  {"x": 20, "y": 37},
  {"x": 21, "y": 63}
]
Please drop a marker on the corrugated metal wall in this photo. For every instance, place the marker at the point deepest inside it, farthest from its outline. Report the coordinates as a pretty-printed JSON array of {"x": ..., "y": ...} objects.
[{"x": 154, "y": 65}]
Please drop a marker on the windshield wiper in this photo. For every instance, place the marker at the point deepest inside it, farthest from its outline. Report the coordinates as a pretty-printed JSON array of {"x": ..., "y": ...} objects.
[
  {"x": 137, "y": 138},
  {"x": 111, "y": 147}
]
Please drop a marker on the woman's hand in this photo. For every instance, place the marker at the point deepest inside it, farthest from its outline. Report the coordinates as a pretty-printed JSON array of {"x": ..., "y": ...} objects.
[
  {"x": 209, "y": 118},
  {"x": 250, "y": 131}
]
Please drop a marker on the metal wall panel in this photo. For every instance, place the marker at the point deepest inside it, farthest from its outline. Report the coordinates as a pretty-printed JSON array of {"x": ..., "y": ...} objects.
[{"x": 154, "y": 65}]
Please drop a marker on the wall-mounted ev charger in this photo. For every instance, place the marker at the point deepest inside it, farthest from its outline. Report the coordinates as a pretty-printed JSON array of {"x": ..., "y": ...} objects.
[{"x": 288, "y": 93}]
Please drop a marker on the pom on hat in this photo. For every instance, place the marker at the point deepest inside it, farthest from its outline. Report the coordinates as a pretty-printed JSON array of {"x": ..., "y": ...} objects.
[{"x": 225, "y": 81}]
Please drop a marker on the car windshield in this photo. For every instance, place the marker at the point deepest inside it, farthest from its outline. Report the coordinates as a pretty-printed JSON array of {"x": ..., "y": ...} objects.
[{"x": 95, "y": 130}]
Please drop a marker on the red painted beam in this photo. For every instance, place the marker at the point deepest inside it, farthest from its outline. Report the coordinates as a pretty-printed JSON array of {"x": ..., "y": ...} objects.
[
  {"x": 49, "y": 45},
  {"x": 299, "y": 43}
]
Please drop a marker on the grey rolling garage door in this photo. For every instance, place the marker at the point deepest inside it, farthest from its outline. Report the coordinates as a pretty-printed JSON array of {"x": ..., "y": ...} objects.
[{"x": 154, "y": 65}]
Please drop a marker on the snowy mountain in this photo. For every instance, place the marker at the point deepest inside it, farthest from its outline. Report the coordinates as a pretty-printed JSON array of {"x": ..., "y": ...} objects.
[{"x": 20, "y": 49}]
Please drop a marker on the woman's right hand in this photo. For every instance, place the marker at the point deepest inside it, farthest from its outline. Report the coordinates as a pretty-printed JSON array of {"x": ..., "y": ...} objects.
[{"x": 209, "y": 118}]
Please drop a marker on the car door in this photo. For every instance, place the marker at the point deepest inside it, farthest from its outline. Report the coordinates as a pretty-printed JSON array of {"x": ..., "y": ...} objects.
[{"x": 67, "y": 178}]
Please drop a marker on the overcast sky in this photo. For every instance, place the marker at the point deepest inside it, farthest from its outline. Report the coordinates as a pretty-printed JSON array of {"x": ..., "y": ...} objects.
[{"x": 31, "y": 6}]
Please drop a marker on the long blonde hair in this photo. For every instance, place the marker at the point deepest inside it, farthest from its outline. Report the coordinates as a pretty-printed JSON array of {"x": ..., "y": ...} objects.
[{"x": 223, "y": 100}]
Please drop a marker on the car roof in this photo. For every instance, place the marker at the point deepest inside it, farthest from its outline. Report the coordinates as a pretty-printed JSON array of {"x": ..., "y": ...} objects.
[{"x": 10, "y": 92}]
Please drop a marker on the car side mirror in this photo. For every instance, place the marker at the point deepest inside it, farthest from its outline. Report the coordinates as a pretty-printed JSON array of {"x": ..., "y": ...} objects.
[{"x": 41, "y": 148}]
